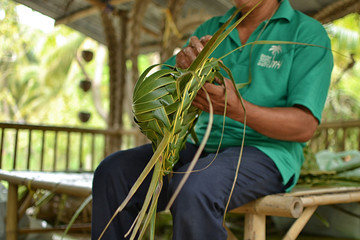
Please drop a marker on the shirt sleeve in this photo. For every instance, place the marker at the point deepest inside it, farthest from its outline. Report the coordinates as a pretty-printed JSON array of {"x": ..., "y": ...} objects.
[{"x": 311, "y": 71}]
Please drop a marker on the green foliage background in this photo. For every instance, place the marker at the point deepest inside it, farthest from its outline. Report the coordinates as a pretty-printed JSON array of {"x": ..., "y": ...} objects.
[{"x": 343, "y": 99}]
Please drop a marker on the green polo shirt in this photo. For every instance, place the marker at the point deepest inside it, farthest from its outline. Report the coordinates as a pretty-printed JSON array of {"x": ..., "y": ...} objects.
[{"x": 282, "y": 75}]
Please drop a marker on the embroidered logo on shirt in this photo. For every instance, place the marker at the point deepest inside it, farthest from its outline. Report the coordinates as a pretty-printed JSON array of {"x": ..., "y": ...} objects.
[{"x": 270, "y": 61}]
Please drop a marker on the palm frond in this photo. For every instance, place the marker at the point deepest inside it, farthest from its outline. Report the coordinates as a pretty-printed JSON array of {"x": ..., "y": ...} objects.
[{"x": 163, "y": 111}]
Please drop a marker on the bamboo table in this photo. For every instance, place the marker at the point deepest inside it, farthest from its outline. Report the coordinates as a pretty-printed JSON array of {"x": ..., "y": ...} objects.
[{"x": 75, "y": 184}]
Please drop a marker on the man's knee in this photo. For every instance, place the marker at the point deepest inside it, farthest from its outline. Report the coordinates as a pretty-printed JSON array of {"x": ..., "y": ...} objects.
[{"x": 108, "y": 166}]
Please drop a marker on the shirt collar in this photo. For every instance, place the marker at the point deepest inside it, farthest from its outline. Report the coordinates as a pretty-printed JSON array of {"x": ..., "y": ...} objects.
[
  {"x": 285, "y": 11},
  {"x": 227, "y": 15}
]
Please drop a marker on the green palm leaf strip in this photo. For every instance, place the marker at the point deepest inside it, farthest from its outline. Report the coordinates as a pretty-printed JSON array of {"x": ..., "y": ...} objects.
[
  {"x": 76, "y": 214},
  {"x": 163, "y": 111}
]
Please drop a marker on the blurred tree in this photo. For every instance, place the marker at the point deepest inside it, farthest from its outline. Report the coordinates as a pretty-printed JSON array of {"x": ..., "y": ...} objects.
[
  {"x": 33, "y": 65},
  {"x": 343, "y": 102}
]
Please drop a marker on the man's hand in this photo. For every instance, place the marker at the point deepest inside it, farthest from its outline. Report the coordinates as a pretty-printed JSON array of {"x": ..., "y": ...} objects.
[
  {"x": 188, "y": 54},
  {"x": 217, "y": 97},
  {"x": 295, "y": 123}
]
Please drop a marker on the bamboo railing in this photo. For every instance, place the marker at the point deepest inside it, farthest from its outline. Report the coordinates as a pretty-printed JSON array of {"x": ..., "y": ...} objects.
[
  {"x": 51, "y": 148},
  {"x": 336, "y": 136},
  {"x": 67, "y": 149}
]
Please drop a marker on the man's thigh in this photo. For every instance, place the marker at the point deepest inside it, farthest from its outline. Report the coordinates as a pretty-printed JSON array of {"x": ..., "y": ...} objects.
[{"x": 214, "y": 175}]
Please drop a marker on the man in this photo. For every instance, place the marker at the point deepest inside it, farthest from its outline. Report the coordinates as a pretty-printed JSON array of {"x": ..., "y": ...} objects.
[{"x": 283, "y": 101}]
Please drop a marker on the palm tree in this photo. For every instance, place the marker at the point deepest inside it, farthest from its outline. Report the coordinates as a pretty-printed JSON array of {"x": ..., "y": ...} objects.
[{"x": 275, "y": 50}]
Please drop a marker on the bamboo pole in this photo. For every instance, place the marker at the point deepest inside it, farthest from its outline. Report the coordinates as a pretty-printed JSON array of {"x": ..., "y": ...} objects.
[
  {"x": 255, "y": 226},
  {"x": 273, "y": 205},
  {"x": 340, "y": 124},
  {"x": 29, "y": 150},
  {"x": 92, "y": 151},
  {"x": 299, "y": 192},
  {"x": 67, "y": 158},
  {"x": 344, "y": 138},
  {"x": 55, "y": 150},
  {"x": 300, "y": 223},
  {"x": 2, "y": 145},
  {"x": 330, "y": 199},
  {"x": 231, "y": 235},
  {"x": 42, "y": 151},
  {"x": 26, "y": 203},
  {"x": 15, "y": 148},
  {"x": 81, "y": 164},
  {"x": 110, "y": 132},
  {"x": 51, "y": 185}
]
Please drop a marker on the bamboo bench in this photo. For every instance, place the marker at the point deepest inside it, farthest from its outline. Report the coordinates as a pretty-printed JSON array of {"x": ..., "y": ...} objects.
[
  {"x": 300, "y": 204},
  {"x": 73, "y": 184}
]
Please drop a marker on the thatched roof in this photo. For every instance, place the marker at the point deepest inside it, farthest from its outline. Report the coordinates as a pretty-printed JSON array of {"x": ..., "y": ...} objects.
[{"x": 85, "y": 15}]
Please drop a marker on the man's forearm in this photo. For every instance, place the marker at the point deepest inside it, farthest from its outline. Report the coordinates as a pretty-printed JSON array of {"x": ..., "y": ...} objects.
[{"x": 282, "y": 123}]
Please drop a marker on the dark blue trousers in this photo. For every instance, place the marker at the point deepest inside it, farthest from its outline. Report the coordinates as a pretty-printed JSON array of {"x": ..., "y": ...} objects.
[{"x": 199, "y": 209}]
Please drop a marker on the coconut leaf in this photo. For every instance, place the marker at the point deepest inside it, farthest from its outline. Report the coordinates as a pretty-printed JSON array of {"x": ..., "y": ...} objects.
[{"x": 162, "y": 109}]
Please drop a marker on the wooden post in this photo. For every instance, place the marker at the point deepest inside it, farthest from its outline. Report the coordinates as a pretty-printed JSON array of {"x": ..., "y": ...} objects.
[
  {"x": 11, "y": 213},
  {"x": 255, "y": 227},
  {"x": 115, "y": 29}
]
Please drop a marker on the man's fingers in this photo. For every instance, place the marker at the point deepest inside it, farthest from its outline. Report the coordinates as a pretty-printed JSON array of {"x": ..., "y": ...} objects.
[
  {"x": 205, "y": 39},
  {"x": 191, "y": 52},
  {"x": 188, "y": 54},
  {"x": 185, "y": 57},
  {"x": 200, "y": 102},
  {"x": 196, "y": 44},
  {"x": 217, "y": 80}
]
